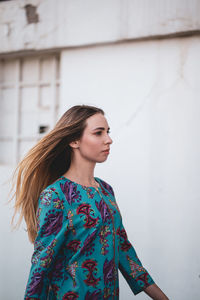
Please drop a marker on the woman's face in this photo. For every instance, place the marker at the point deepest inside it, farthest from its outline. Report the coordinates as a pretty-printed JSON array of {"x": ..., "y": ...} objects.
[{"x": 95, "y": 139}]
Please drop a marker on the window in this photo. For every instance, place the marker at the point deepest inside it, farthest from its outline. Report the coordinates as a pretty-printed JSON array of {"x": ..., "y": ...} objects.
[{"x": 29, "y": 97}]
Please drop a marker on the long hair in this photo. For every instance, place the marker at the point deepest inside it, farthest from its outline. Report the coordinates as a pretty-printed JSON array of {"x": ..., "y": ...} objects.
[{"x": 45, "y": 162}]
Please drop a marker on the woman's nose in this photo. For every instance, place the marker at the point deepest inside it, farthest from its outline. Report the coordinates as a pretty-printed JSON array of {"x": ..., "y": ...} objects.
[{"x": 109, "y": 140}]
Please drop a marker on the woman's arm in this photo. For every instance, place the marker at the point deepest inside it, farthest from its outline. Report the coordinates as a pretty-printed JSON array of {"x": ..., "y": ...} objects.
[
  {"x": 130, "y": 265},
  {"x": 51, "y": 235},
  {"x": 155, "y": 292}
]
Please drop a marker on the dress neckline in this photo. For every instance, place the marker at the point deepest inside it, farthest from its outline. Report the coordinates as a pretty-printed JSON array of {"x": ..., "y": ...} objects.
[{"x": 83, "y": 186}]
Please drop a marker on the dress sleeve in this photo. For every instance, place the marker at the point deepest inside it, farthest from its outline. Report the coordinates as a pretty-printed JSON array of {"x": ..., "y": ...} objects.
[
  {"x": 52, "y": 225},
  {"x": 130, "y": 266}
]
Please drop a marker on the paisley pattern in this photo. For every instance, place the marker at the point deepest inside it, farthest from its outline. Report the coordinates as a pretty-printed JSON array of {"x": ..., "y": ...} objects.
[
  {"x": 80, "y": 245},
  {"x": 52, "y": 222}
]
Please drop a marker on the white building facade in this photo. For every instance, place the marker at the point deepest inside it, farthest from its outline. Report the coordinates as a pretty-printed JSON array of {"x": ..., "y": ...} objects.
[{"x": 139, "y": 60}]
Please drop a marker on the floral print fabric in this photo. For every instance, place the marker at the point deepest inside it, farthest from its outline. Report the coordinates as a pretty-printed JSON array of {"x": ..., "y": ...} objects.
[{"x": 80, "y": 245}]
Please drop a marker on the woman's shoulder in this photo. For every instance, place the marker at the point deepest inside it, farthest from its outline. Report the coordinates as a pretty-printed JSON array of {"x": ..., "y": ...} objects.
[
  {"x": 51, "y": 201},
  {"x": 106, "y": 185},
  {"x": 52, "y": 188}
]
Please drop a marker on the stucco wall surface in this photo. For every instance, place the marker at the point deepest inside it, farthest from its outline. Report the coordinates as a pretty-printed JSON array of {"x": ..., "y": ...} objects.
[{"x": 46, "y": 24}]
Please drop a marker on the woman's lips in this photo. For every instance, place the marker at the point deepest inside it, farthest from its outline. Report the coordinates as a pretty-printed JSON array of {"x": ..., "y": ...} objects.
[{"x": 106, "y": 151}]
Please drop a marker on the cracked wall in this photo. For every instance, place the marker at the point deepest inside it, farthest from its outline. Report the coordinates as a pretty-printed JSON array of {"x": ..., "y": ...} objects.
[
  {"x": 150, "y": 93},
  {"x": 39, "y": 24}
]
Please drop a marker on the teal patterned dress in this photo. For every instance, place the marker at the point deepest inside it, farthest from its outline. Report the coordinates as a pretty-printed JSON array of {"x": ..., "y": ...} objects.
[{"x": 80, "y": 245}]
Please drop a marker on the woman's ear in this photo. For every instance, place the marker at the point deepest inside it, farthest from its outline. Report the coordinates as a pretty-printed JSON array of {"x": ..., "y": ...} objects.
[{"x": 74, "y": 144}]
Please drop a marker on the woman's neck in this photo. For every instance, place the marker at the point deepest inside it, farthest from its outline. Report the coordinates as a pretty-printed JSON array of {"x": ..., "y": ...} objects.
[{"x": 81, "y": 174}]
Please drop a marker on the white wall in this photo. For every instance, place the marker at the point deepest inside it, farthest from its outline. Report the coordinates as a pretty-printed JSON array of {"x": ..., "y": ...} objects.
[
  {"x": 64, "y": 23},
  {"x": 150, "y": 93},
  {"x": 15, "y": 250}
]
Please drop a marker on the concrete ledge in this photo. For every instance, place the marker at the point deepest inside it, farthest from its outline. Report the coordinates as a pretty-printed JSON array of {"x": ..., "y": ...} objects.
[{"x": 46, "y": 24}]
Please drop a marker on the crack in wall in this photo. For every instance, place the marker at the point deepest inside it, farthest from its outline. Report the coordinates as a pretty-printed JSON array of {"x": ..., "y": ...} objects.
[{"x": 8, "y": 29}]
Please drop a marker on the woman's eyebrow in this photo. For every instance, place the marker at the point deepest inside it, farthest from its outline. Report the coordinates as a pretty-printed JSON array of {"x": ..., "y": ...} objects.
[{"x": 100, "y": 128}]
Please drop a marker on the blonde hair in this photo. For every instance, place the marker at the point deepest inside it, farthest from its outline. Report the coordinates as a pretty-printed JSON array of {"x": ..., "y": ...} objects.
[{"x": 45, "y": 162}]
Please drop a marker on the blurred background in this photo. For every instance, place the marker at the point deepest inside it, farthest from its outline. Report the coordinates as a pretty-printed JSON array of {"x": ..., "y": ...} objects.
[{"x": 139, "y": 61}]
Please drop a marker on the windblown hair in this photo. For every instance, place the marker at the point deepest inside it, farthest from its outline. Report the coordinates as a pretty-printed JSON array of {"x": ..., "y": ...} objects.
[{"x": 45, "y": 162}]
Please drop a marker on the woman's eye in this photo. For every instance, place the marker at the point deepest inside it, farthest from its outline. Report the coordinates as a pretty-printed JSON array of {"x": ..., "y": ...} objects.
[{"x": 100, "y": 132}]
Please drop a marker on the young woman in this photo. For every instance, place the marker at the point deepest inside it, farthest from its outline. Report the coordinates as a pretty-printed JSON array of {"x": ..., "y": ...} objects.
[{"x": 72, "y": 217}]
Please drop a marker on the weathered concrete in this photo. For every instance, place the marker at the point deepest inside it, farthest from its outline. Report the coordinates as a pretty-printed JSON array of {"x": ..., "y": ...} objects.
[{"x": 47, "y": 24}]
